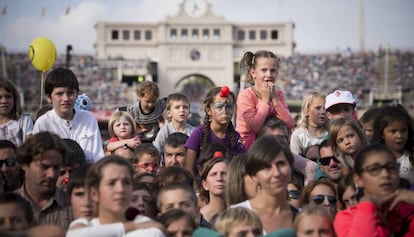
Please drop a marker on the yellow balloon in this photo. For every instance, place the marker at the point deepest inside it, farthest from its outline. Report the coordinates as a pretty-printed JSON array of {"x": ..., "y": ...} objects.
[{"x": 42, "y": 53}]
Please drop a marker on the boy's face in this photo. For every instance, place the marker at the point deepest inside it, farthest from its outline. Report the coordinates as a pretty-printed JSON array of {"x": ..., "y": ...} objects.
[
  {"x": 174, "y": 156},
  {"x": 82, "y": 204},
  {"x": 63, "y": 100},
  {"x": 140, "y": 199},
  {"x": 147, "y": 103},
  {"x": 340, "y": 111},
  {"x": 368, "y": 129},
  {"x": 178, "y": 199},
  {"x": 148, "y": 164},
  {"x": 179, "y": 111},
  {"x": 12, "y": 217}
]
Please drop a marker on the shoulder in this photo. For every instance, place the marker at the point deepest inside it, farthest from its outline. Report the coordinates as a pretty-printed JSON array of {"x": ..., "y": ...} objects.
[{"x": 245, "y": 204}]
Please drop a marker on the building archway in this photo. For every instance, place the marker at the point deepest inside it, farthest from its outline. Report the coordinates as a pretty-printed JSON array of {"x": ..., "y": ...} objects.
[{"x": 196, "y": 87}]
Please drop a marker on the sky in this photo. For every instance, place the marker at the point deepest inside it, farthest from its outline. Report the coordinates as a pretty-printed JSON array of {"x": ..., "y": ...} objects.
[{"x": 320, "y": 25}]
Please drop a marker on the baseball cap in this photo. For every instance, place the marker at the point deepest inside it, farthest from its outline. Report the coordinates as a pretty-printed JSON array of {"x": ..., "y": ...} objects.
[{"x": 339, "y": 97}]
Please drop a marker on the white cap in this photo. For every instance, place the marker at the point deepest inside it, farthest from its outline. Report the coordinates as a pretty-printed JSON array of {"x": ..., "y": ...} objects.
[{"x": 339, "y": 97}]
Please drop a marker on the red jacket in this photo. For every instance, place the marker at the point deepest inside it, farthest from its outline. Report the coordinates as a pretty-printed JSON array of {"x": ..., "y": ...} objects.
[{"x": 362, "y": 220}]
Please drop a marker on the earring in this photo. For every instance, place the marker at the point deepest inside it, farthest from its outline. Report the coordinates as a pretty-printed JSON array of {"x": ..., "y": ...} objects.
[{"x": 259, "y": 186}]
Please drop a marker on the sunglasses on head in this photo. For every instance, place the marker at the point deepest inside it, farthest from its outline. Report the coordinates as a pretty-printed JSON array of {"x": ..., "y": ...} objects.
[
  {"x": 327, "y": 160},
  {"x": 318, "y": 199},
  {"x": 9, "y": 162},
  {"x": 294, "y": 194}
]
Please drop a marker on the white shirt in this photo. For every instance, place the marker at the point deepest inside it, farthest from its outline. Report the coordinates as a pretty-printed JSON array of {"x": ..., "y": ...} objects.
[
  {"x": 83, "y": 129},
  {"x": 17, "y": 130},
  {"x": 406, "y": 168}
]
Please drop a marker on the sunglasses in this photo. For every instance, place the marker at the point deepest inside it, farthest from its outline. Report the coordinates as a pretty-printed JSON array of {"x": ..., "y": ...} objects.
[
  {"x": 376, "y": 169},
  {"x": 318, "y": 199},
  {"x": 325, "y": 161},
  {"x": 9, "y": 162},
  {"x": 294, "y": 194}
]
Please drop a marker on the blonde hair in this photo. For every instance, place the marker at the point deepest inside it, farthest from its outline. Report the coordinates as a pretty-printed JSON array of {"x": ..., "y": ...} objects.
[
  {"x": 312, "y": 210},
  {"x": 116, "y": 117},
  {"x": 334, "y": 127},
  {"x": 232, "y": 217},
  {"x": 148, "y": 87},
  {"x": 307, "y": 102}
]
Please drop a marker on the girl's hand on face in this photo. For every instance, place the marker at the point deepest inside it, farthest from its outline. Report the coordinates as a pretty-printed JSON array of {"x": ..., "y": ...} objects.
[
  {"x": 379, "y": 201},
  {"x": 266, "y": 90},
  {"x": 404, "y": 196}
]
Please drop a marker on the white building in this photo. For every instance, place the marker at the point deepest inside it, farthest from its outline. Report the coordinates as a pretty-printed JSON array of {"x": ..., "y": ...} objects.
[{"x": 190, "y": 52}]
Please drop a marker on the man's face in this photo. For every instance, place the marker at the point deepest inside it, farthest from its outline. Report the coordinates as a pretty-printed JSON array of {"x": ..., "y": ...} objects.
[
  {"x": 9, "y": 166},
  {"x": 63, "y": 101},
  {"x": 41, "y": 175},
  {"x": 174, "y": 156},
  {"x": 330, "y": 166}
]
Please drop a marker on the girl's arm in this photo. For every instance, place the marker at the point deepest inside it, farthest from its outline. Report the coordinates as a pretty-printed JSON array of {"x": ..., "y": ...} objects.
[
  {"x": 282, "y": 110},
  {"x": 190, "y": 161},
  {"x": 131, "y": 142},
  {"x": 253, "y": 110}
]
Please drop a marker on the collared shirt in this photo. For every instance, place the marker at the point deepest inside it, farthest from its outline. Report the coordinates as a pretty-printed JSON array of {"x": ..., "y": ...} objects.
[{"x": 58, "y": 211}]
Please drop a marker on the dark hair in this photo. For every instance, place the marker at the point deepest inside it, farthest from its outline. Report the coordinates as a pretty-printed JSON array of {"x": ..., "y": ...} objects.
[
  {"x": 78, "y": 177},
  {"x": 390, "y": 114},
  {"x": 175, "y": 214},
  {"x": 345, "y": 182},
  {"x": 326, "y": 143},
  {"x": 176, "y": 139},
  {"x": 362, "y": 156},
  {"x": 7, "y": 144},
  {"x": 61, "y": 77},
  {"x": 236, "y": 171},
  {"x": 75, "y": 154},
  {"x": 249, "y": 60},
  {"x": 145, "y": 148},
  {"x": 273, "y": 123},
  {"x": 263, "y": 151},
  {"x": 9, "y": 87},
  {"x": 177, "y": 97},
  {"x": 305, "y": 198},
  {"x": 174, "y": 186},
  {"x": 370, "y": 115},
  {"x": 209, "y": 100},
  {"x": 34, "y": 147},
  {"x": 94, "y": 176},
  {"x": 14, "y": 198}
]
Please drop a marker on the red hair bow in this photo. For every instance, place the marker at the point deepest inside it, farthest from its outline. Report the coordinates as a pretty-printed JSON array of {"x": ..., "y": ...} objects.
[
  {"x": 225, "y": 91},
  {"x": 218, "y": 154}
]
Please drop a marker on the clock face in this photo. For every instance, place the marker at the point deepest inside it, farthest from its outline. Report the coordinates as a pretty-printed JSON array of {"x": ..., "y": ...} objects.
[
  {"x": 195, "y": 55},
  {"x": 195, "y": 8}
]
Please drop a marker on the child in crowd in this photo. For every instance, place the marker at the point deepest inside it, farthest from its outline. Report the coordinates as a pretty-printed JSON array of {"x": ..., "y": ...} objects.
[
  {"x": 178, "y": 223},
  {"x": 219, "y": 108},
  {"x": 146, "y": 159},
  {"x": 262, "y": 100},
  {"x": 347, "y": 195},
  {"x": 383, "y": 208},
  {"x": 61, "y": 90},
  {"x": 238, "y": 221},
  {"x": 340, "y": 104},
  {"x": 174, "y": 150},
  {"x": 15, "y": 125},
  {"x": 147, "y": 111},
  {"x": 109, "y": 183},
  {"x": 394, "y": 129},
  {"x": 140, "y": 197},
  {"x": 312, "y": 125},
  {"x": 178, "y": 110},
  {"x": 74, "y": 159},
  {"x": 82, "y": 204},
  {"x": 313, "y": 221},
  {"x": 347, "y": 139},
  {"x": 15, "y": 213},
  {"x": 367, "y": 122},
  {"x": 122, "y": 129}
]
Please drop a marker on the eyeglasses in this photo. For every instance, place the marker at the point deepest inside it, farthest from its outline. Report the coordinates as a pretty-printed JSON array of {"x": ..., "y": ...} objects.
[
  {"x": 327, "y": 160},
  {"x": 376, "y": 169},
  {"x": 318, "y": 199},
  {"x": 294, "y": 194},
  {"x": 9, "y": 162},
  {"x": 220, "y": 107}
]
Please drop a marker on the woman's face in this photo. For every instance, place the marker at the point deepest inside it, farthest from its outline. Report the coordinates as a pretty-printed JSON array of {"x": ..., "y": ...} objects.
[
  {"x": 380, "y": 175},
  {"x": 294, "y": 195},
  {"x": 275, "y": 178},
  {"x": 114, "y": 192},
  {"x": 315, "y": 225},
  {"x": 216, "y": 178},
  {"x": 349, "y": 197},
  {"x": 325, "y": 196}
]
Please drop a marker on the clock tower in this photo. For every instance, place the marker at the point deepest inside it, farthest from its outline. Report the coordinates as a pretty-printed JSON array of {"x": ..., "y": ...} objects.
[{"x": 195, "y": 8}]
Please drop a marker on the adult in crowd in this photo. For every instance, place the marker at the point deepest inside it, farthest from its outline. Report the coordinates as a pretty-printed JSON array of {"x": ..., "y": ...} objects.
[{"x": 9, "y": 167}]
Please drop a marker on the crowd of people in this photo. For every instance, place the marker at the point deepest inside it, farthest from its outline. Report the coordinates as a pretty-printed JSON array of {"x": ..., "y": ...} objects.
[{"x": 332, "y": 173}]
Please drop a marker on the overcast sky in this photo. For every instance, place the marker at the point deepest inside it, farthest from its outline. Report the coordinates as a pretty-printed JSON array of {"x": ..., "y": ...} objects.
[{"x": 321, "y": 25}]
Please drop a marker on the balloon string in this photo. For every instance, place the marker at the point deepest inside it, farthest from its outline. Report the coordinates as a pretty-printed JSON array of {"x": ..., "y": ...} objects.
[{"x": 41, "y": 91}]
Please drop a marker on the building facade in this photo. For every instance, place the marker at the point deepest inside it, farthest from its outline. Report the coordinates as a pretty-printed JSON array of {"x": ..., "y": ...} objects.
[{"x": 190, "y": 52}]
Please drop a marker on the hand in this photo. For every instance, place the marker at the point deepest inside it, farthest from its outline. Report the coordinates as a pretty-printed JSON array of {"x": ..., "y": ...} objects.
[
  {"x": 134, "y": 142},
  {"x": 265, "y": 90},
  {"x": 402, "y": 195},
  {"x": 379, "y": 201}
]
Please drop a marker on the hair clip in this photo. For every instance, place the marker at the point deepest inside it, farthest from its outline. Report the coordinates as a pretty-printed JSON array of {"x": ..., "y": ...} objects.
[
  {"x": 224, "y": 92},
  {"x": 218, "y": 154}
]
